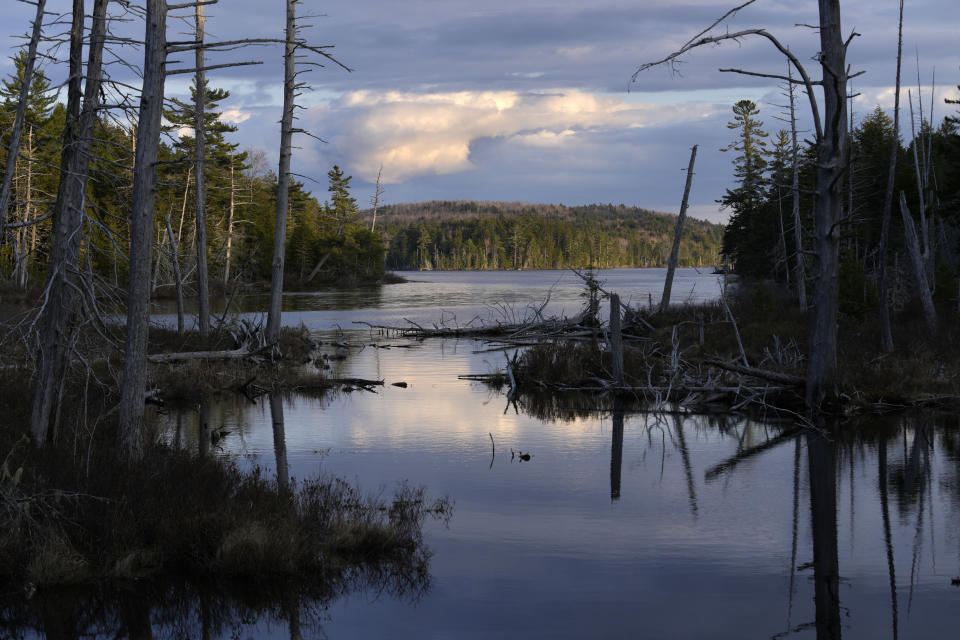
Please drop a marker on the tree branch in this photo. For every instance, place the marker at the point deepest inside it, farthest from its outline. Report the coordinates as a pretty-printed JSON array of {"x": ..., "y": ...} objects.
[
  {"x": 213, "y": 66},
  {"x": 699, "y": 42},
  {"x": 768, "y": 75}
]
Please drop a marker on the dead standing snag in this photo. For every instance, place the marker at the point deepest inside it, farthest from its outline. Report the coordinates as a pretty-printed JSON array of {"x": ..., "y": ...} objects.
[{"x": 831, "y": 140}]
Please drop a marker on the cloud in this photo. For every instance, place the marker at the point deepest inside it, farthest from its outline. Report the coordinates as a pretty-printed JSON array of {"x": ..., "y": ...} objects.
[
  {"x": 235, "y": 116},
  {"x": 417, "y": 134}
]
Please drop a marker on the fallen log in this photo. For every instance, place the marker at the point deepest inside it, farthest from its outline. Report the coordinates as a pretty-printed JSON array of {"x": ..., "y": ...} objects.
[
  {"x": 231, "y": 354},
  {"x": 763, "y": 374}
]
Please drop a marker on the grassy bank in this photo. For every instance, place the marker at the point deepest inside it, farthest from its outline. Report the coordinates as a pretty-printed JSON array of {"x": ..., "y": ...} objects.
[{"x": 75, "y": 512}]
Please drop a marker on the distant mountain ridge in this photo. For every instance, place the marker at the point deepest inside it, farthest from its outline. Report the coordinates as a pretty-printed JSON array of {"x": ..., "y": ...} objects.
[{"x": 467, "y": 234}]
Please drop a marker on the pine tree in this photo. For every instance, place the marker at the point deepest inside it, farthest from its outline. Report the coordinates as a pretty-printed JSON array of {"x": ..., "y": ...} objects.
[
  {"x": 41, "y": 100},
  {"x": 342, "y": 205},
  {"x": 747, "y": 240}
]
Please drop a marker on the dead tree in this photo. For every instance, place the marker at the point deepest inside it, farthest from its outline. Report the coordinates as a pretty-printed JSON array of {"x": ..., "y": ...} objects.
[
  {"x": 59, "y": 300},
  {"x": 141, "y": 229},
  {"x": 801, "y": 275},
  {"x": 283, "y": 177},
  {"x": 375, "y": 198},
  {"x": 831, "y": 140},
  {"x": 919, "y": 268},
  {"x": 886, "y": 334},
  {"x": 177, "y": 280},
  {"x": 16, "y": 131},
  {"x": 675, "y": 250},
  {"x": 292, "y": 43},
  {"x": 199, "y": 164}
]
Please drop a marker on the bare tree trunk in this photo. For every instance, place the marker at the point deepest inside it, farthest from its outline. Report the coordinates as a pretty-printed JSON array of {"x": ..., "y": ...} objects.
[
  {"x": 183, "y": 209},
  {"x": 226, "y": 268},
  {"x": 377, "y": 192},
  {"x": 886, "y": 334},
  {"x": 30, "y": 152},
  {"x": 831, "y": 165},
  {"x": 178, "y": 282},
  {"x": 918, "y": 166},
  {"x": 283, "y": 179},
  {"x": 23, "y": 264},
  {"x": 795, "y": 188},
  {"x": 199, "y": 163},
  {"x": 68, "y": 215},
  {"x": 919, "y": 270},
  {"x": 616, "y": 339},
  {"x": 141, "y": 230},
  {"x": 13, "y": 148},
  {"x": 675, "y": 250}
]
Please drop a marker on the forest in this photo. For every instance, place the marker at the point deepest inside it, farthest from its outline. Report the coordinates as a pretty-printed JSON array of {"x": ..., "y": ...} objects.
[
  {"x": 501, "y": 235},
  {"x": 768, "y": 215},
  {"x": 135, "y": 452},
  {"x": 240, "y": 197}
]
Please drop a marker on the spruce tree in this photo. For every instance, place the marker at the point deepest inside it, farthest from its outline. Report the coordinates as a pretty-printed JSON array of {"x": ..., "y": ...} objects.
[{"x": 746, "y": 240}]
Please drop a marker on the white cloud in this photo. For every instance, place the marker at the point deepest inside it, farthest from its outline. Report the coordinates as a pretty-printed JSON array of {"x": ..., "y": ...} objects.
[
  {"x": 416, "y": 134},
  {"x": 235, "y": 116}
]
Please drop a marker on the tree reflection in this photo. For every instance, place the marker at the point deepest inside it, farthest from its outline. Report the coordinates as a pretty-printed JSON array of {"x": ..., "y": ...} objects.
[
  {"x": 616, "y": 451},
  {"x": 822, "y": 460},
  {"x": 143, "y": 611},
  {"x": 279, "y": 439}
]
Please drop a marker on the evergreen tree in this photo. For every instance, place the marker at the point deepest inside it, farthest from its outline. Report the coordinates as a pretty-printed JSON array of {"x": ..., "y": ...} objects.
[
  {"x": 750, "y": 238},
  {"x": 342, "y": 205},
  {"x": 41, "y": 97}
]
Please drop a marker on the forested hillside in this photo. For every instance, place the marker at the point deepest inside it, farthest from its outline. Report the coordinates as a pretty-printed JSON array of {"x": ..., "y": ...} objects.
[{"x": 515, "y": 235}]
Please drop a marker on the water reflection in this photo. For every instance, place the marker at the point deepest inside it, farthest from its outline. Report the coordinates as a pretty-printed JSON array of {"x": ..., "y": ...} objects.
[
  {"x": 713, "y": 526},
  {"x": 142, "y": 611},
  {"x": 822, "y": 458},
  {"x": 279, "y": 438}
]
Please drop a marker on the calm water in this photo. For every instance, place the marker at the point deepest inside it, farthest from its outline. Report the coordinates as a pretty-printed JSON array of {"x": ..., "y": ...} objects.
[
  {"x": 461, "y": 297},
  {"x": 621, "y": 524}
]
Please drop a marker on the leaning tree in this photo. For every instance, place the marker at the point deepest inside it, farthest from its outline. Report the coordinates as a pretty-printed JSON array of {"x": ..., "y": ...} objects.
[{"x": 830, "y": 127}]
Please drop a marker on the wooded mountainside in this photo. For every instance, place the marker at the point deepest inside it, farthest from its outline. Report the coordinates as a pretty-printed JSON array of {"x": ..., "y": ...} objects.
[{"x": 467, "y": 234}]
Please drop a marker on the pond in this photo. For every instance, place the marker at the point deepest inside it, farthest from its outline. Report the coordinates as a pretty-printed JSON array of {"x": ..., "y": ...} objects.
[{"x": 620, "y": 524}]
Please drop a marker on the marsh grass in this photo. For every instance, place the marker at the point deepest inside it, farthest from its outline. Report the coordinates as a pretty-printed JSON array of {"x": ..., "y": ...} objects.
[{"x": 75, "y": 512}]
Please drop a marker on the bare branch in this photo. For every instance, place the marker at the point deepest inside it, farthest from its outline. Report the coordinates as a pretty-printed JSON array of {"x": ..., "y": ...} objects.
[
  {"x": 693, "y": 44},
  {"x": 190, "y": 5},
  {"x": 768, "y": 75},
  {"x": 716, "y": 22},
  {"x": 214, "y": 66}
]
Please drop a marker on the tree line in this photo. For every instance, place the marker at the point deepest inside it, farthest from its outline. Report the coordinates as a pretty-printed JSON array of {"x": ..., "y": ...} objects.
[
  {"x": 240, "y": 200},
  {"x": 455, "y": 235},
  {"x": 761, "y": 236},
  {"x": 102, "y": 209}
]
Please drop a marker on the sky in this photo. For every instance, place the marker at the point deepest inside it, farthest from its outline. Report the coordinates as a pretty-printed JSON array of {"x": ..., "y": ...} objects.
[{"x": 531, "y": 100}]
